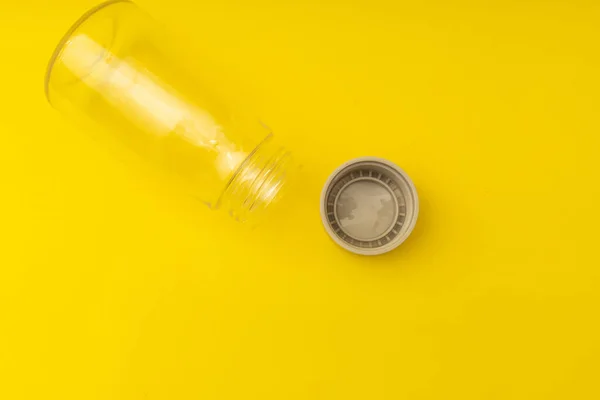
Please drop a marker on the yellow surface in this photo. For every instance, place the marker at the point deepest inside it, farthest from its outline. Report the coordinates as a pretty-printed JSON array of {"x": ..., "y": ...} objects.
[{"x": 113, "y": 287}]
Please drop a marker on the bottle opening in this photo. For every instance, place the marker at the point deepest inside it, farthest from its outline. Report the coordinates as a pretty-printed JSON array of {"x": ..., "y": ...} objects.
[{"x": 259, "y": 181}]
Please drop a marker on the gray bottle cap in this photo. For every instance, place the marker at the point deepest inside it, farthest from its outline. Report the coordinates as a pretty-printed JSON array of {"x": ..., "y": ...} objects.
[{"x": 369, "y": 206}]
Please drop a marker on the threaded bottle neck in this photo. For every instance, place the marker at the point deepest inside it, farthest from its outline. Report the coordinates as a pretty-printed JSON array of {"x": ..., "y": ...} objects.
[{"x": 259, "y": 181}]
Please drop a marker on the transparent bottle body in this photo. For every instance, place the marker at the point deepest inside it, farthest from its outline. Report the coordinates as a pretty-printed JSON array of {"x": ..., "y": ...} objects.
[{"x": 114, "y": 67}]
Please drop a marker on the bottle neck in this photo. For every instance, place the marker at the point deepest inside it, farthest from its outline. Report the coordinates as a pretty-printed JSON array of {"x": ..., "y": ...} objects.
[{"x": 259, "y": 181}]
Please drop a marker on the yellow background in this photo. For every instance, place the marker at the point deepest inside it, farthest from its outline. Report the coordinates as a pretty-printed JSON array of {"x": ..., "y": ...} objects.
[{"x": 112, "y": 287}]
